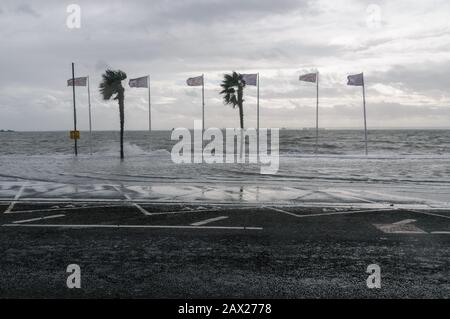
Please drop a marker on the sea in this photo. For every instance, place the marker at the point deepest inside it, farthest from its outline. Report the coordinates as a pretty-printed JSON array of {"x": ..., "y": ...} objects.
[{"x": 409, "y": 166}]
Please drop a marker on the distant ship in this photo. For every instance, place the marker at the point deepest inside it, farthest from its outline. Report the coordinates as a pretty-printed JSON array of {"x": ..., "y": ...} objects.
[{"x": 6, "y": 131}]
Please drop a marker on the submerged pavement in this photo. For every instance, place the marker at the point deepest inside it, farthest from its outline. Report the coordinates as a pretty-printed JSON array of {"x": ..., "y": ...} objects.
[{"x": 335, "y": 195}]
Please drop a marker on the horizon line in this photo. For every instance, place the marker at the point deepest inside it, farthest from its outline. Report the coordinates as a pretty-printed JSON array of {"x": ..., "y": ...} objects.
[{"x": 223, "y": 128}]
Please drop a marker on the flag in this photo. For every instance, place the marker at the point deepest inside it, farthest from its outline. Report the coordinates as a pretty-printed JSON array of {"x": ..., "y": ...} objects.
[
  {"x": 78, "y": 81},
  {"x": 250, "y": 79},
  {"x": 356, "y": 79},
  {"x": 310, "y": 77},
  {"x": 139, "y": 82},
  {"x": 197, "y": 81}
]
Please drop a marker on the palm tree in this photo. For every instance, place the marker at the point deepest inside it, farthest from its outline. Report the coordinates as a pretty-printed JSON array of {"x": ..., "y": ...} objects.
[
  {"x": 233, "y": 90},
  {"x": 111, "y": 87}
]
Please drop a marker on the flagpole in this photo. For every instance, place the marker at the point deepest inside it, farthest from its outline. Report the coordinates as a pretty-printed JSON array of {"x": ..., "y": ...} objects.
[
  {"x": 203, "y": 109},
  {"x": 90, "y": 117},
  {"x": 149, "y": 106},
  {"x": 203, "y": 103},
  {"x": 257, "y": 118},
  {"x": 317, "y": 111},
  {"x": 74, "y": 108},
  {"x": 365, "y": 121}
]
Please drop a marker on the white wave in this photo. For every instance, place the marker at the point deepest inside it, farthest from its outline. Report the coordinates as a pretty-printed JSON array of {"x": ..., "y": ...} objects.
[{"x": 129, "y": 149}]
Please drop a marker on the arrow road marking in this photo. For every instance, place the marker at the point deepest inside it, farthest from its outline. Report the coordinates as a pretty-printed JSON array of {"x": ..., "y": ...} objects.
[{"x": 401, "y": 227}]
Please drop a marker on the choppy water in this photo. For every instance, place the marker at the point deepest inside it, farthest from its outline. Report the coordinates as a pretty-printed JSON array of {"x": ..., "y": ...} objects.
[
  {"x": 292, "y": 142},
  {"x": 397, "y": 157}
]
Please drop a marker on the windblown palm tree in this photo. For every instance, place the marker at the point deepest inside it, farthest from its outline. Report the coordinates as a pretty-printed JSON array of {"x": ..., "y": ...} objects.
[
  {"x": 233, "y": 90},
  {"x": 111, "y": 87}
]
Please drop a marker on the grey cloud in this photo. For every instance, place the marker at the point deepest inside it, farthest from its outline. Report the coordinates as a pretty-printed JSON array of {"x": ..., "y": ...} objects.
[
  {"x": 431, "y": 76},
  {"x": 379, "y": 115},
  {"x": 101, "y": 65},
  {"x": 172, "y": 40},
  {"x": 199, "y": 11},
  {"x": 27, "y": 9}
]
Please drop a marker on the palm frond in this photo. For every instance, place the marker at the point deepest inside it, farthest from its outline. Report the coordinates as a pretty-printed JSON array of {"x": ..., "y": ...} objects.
[
  {"x": 111, "y": 83},
  {"x": 230, "y": 85}
]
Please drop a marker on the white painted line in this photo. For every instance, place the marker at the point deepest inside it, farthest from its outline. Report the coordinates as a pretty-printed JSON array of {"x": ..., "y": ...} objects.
[
  {"x": 401, "y": 197},
  {"x": 440, "y": 232},
  {"x": 281, "y": 211},
  {"x": 186, "y": 211},
  {"x": 235, "y": 205},
  {"x": 333, "y": 213},
  {"x": 38, "y": 218},
  {"x": 349, "y": 195},
  {"x": 210, "y": 220},
  {"x": 139, "y": 207},
  {"x": 65, "y": 200},
  {"x": 404, "y": 222},
  {"x": 142, "y": 210},
  {"x": 306, "y": 194},
  {"x": 350, "y": 212},
  {"x": 408, "y": 232},
  {"x": 133, "y": 226},
  {"x": 64, "y": 208},
  {"x": 14, "y": 202}
]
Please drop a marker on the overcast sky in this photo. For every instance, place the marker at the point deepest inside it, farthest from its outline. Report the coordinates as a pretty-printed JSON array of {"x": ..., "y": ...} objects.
[{"x": 403, "y": 47}]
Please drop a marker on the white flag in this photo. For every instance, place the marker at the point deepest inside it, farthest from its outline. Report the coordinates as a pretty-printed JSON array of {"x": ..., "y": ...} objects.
[
  {"x": 139, "y": 82},
  {"x": 78, "y": 81},
  {"x": 197, "y": 81},
  {"x": 310, "y": 77},
  {"x": 250, "y": 79},
  {"x": 356, "y": 79}
]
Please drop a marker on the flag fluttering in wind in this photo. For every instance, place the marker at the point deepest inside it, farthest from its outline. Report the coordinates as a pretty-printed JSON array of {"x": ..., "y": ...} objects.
[
  {"x": 197, "y": 81},
  {"x": 310, "y": 77},
  {"x": 356, "y": 79},
  {"x": 82, "y": 81},
  {"x": 141, "y": 82},
  {"x": 144, "y": 82},
  {"x": 250, "y": 79},
  {"x": 314, "y": 78}
]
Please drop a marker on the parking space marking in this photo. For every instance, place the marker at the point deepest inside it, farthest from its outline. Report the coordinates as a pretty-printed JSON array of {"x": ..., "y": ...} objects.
[
  {"x": 406, "y": 232},
  {"x": 143, "y": 211},
  {"x": 139, "y": 207},
  {"x": 134, "y": 226},
  {"x": 281, "y": 211},
  {"x": 38, "y": 218},
  {"x": 348, "y": 195},
  {"x": 401, "y": 227},
  {"x": 16, "y": 198},
  {"x": 408, "y": 198},
  {"x": 350, "y": 212},
  {"x": 332, "y": 213},
  {"x": 440, "y": 232},
  {"x": 186, "y": 211},
  {"x": 210, "y": 220},
  {"x": 64, "y": 209}
]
